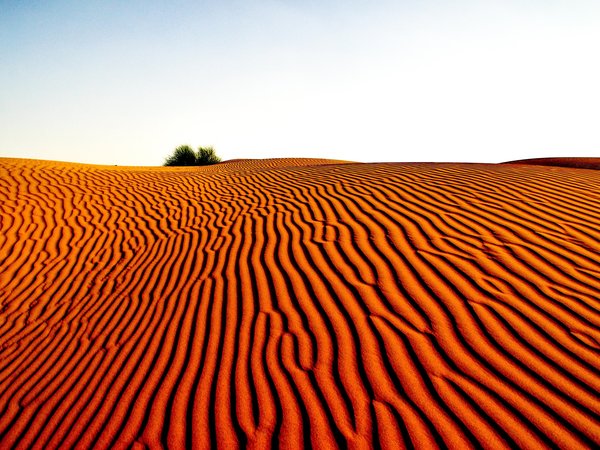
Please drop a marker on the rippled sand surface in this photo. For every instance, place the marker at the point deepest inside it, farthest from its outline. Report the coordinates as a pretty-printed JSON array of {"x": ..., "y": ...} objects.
[{"x": 299, "y": 303}]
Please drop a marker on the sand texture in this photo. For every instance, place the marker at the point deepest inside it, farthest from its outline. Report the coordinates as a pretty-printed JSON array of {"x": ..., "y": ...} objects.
[{"x": 299, "y": 303}]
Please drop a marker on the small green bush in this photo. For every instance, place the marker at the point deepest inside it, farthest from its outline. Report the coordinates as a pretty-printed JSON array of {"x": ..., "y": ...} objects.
[
  {"x": 184, "y": 155},
  {"x": 207, "y": 155}
]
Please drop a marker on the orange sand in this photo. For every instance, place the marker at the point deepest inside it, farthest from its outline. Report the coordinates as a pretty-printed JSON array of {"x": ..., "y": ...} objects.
[{"x": 299, "y": 303}]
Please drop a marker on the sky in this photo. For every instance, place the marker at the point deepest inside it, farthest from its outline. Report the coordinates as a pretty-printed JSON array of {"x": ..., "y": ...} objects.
[{"x": 125, "y": 82}]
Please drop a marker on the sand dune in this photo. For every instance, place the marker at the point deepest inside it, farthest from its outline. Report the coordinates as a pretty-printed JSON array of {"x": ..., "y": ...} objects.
[
  {"x": 299, "y": 303},
  {"x": 578, "y": 163}
]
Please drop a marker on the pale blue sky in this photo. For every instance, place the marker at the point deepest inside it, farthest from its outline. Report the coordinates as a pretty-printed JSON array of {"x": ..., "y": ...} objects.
[{"x": 115, "y": 82}]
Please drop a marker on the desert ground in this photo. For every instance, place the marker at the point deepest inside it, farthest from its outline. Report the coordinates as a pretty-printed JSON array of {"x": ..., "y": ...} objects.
[{"x": 300, "y": 303}]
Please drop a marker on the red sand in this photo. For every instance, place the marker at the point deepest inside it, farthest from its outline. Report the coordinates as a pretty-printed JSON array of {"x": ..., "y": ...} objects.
[{"x": 297, "y": 303}]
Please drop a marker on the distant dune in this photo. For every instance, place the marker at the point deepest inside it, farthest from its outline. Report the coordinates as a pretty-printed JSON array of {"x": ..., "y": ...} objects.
[
  {"x": 299, "y": 303},
  {"x": 576, "y": 163}
]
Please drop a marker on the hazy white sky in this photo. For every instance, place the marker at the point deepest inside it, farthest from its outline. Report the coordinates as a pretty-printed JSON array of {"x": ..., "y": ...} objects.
[{"x": 115, "y": 82}]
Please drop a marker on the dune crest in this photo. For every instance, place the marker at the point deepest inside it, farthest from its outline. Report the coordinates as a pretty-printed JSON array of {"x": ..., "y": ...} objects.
[{"x": 299, "y": 303}]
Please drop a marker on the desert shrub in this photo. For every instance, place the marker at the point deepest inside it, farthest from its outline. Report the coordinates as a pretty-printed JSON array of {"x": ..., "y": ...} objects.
[
  {"x": 206, "y": 155},
  {"x": 183, "y": 155}
]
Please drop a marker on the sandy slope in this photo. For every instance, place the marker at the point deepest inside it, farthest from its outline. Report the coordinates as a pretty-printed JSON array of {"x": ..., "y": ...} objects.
[{"x": 299, "y": 302}]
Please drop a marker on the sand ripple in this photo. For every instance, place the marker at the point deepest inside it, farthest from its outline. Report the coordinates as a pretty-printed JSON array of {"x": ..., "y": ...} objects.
[{"x": 299, "y": 303}]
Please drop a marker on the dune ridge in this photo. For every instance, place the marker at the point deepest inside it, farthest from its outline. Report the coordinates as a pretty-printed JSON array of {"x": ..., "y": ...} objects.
[
  {"x": 299, "y": 302},
  {"x": 570, "y": 162}
]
